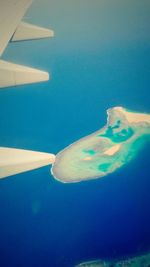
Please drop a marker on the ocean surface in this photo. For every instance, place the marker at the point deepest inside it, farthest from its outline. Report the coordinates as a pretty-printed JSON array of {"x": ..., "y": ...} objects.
[{"x": 99, "y": 58}]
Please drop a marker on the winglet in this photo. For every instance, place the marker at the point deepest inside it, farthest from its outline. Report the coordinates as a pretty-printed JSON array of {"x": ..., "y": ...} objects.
[
  {"x": 26, "y": 31},
  {"x": 13, "y": 74},
  {"x": 14, "y": 161}
]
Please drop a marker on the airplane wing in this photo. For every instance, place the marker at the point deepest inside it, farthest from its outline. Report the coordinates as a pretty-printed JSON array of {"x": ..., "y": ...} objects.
[
  {"x": 14, "y": 161},
  {"x": 11, "y": 13},
  {"x": 13, "y": 29}
]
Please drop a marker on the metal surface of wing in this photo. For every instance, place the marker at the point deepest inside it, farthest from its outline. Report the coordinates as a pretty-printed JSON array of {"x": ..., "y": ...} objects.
[
  {"x": 27, "y": 31},
  {"x": 13, "y": 74},
  {"x": 11, "y": 13},
  {"x": 14, "y": 161},
  {"x": 13, "y": 29}
]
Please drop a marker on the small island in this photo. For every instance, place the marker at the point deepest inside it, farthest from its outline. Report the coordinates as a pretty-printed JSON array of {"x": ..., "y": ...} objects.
[{"x": 106, "y": 150}]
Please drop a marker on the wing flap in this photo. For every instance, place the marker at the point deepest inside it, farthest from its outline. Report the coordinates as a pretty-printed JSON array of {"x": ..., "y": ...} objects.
[{"x": 27, "y": 31}]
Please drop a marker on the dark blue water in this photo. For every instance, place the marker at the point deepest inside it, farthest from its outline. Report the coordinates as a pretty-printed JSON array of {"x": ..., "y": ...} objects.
[{"x": 44, "y": 222}]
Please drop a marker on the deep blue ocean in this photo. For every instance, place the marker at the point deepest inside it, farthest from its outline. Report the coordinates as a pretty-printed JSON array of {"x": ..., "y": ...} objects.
[{"x": 98, "y": 59}]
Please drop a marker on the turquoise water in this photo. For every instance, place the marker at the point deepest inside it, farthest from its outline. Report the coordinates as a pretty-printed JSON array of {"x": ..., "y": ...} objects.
[{"x": 98, "y": 59}]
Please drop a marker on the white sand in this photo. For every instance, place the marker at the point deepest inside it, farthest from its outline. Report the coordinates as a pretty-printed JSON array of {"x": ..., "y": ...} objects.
[
  {"x": 134, "y": 117},
  {"x": 111, "y": 151}
]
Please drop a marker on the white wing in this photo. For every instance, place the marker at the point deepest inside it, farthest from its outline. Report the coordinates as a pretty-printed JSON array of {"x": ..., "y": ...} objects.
[
  {"x": 12, "y": 28},
  {"x": 14, "y": 161},
  {"x": 11, "y": 13}
]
